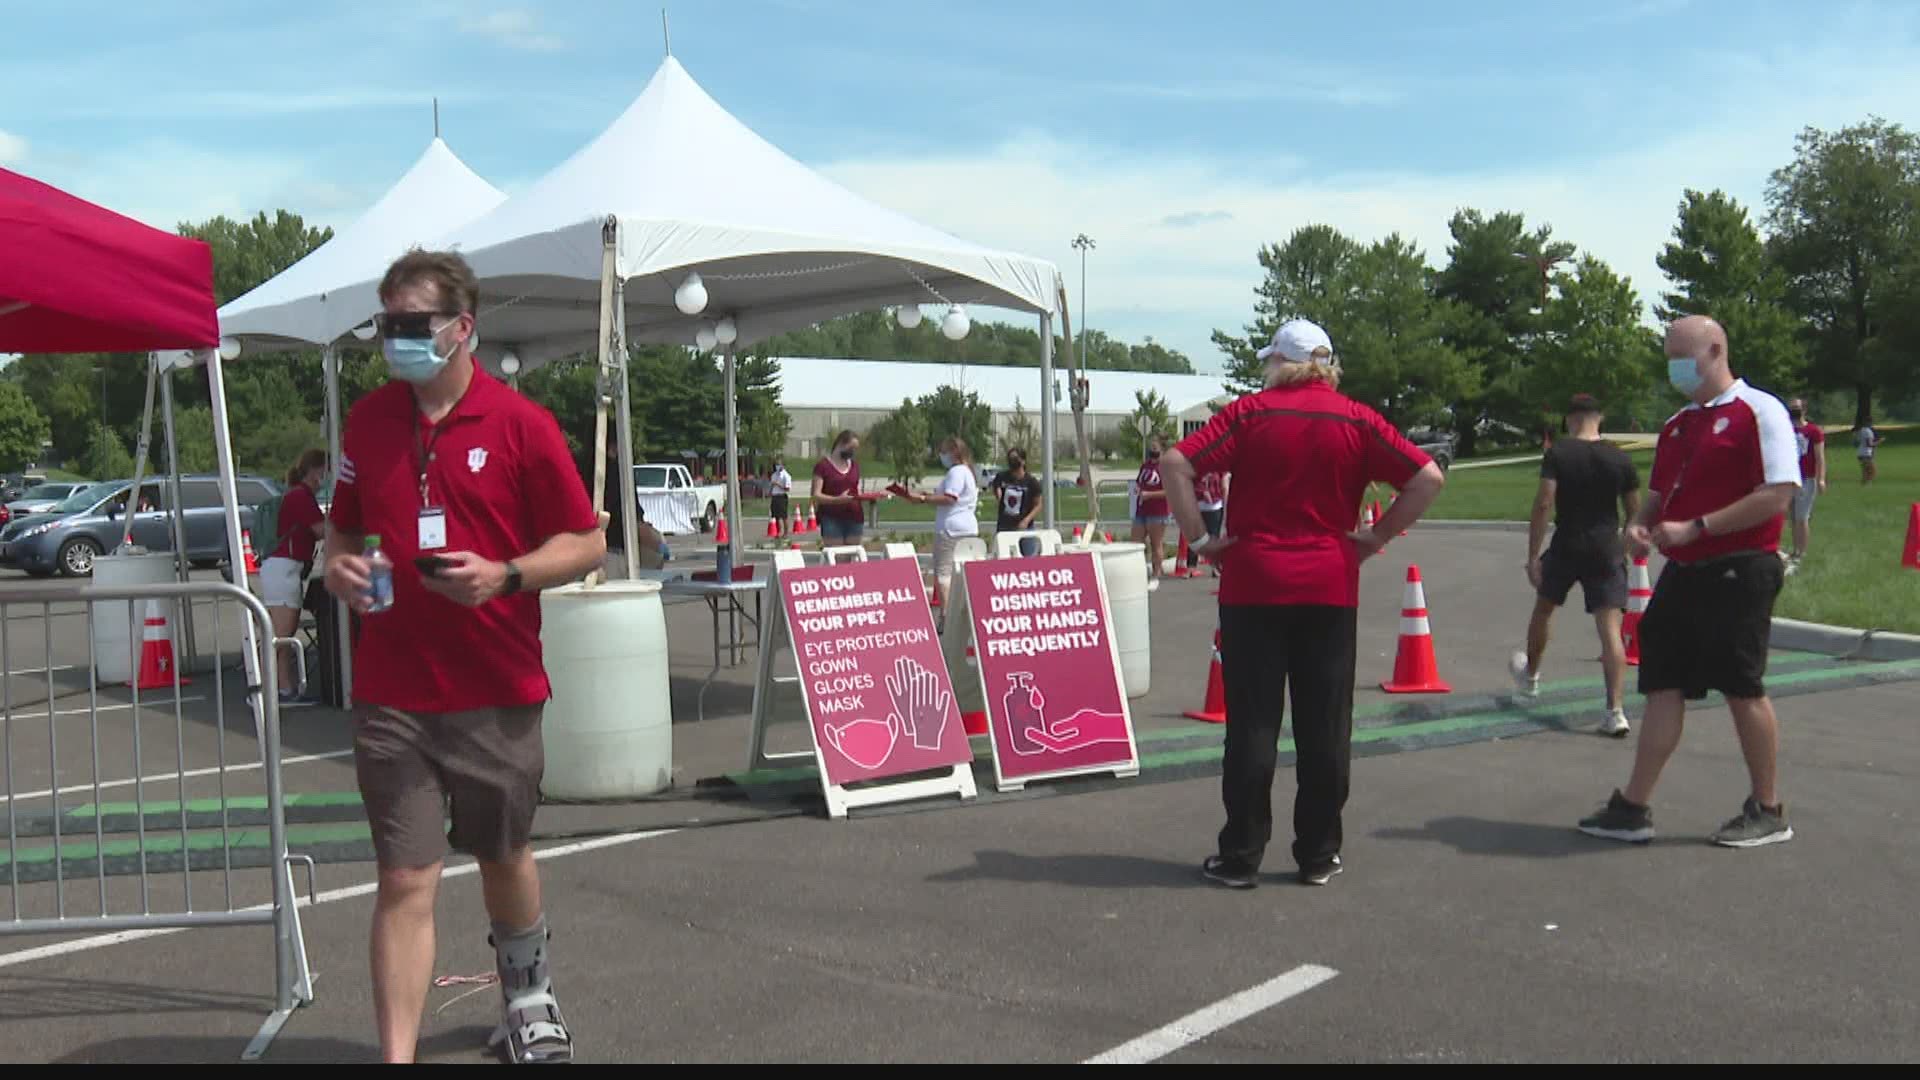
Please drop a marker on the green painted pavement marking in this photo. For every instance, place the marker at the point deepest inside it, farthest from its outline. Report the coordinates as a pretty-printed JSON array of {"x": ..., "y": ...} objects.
[
  {"x": 1819, "y": 671},
  {"x": 312, "y": 800},
  {"x": 162, "y": 846}
]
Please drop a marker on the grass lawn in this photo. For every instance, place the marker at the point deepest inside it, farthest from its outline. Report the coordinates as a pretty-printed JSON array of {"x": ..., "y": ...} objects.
[
  {"x": 1071, "y": 508},
  {"x": 1852, "y": 575}
]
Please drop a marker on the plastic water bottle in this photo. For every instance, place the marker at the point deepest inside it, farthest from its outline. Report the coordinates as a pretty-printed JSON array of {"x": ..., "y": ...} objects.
[
  {"x": 723, "y": 563},
  {"x": 379, "y": 575}
]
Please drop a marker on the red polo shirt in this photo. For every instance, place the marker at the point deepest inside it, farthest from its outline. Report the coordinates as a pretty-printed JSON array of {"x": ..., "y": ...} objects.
[
  {"x": 1301, "y": 459},
  {"x": 1712, "y": 457},
  {"x": 1807, "y": 437},
  {"x": 499, "y": 466}
]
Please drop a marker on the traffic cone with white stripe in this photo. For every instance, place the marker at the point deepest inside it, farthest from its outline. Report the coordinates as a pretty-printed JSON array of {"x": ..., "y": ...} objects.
[
  {"x": 157, "y": 669},
  {"x": 1639, "y": 592},
  {"x": 1366, "y": 518},
  {"x": 246, "y": 552},
  {"x": 1215, "y": 709},
  {"x": 1180, "y": 560},
  {"x": 1414, "y": 669}
]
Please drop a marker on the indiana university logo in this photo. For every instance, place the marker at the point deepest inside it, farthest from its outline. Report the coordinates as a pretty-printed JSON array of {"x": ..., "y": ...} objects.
[{"x": 476, "y": 459}]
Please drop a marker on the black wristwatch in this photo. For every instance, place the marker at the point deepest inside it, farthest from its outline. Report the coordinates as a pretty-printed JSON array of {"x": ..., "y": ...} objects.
[
  {"x": 1701, "y": 524},
  {"x": 513, "y": 581}
]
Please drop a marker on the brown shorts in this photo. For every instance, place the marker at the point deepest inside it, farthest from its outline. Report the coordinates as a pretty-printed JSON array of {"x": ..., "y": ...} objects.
[{"x": 481, "y": 769}]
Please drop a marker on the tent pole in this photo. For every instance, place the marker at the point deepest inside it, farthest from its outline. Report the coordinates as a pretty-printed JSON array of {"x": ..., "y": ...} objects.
[
  {"x": 236, "y": 561},
  {"x": 608, "y": 236},
  {"x": 1046, "y": 416},
  {"x": 140, "y": 454},
  {"x": 183, "y": 567},
  {"x": 623, "y": 437},
  {"x": 733, "y": 457},
  {"x": 342, "y": 617}
]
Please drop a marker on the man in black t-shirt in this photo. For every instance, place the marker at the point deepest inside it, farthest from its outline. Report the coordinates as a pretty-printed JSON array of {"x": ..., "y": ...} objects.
[
  {"x": 1585, "y": 482},
  {"x": 1016, "y": 494}
]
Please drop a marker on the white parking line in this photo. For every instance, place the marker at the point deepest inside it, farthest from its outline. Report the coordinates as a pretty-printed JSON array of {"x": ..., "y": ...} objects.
[
  {"x": 1195, "y": 1026},
  {"x": 44, "y": 670},
  {"x": 148, "y": 703},
  {"x": 188, "y": 775},
  {"x": 101, "y": 941}
]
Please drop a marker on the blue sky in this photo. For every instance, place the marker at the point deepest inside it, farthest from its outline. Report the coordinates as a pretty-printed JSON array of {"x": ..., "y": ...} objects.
[{"x": 1180, "y": 137}]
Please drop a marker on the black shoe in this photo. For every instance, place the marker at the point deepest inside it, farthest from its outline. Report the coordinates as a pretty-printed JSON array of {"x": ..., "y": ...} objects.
[
  {"x": 1323, "y": 873},
  {"x": 1621, "y": 820},
  {"x": 1232, "y": 873},
  {"x": 1756, "y": 826}
]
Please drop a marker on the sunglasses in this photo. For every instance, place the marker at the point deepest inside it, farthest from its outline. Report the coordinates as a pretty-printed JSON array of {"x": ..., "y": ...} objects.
[{"x": 410, "y": 324}]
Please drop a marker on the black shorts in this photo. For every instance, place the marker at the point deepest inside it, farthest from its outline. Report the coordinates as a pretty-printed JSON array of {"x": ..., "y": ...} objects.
[
  {"x": 777, "y": 509},
  {"x": 1708, "y": 627},
  {"x": 1602, "y": 578}
]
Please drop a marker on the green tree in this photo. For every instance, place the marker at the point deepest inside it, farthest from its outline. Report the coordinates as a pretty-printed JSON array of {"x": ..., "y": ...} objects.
[
  {"x": 1150, "y": 406},
  {"x": 1592, "y": 341},
  {"x": 764, "y": 424},
  {"x": 875, "y": 335},
  {"x": 951, "y": 411},
  {"x": 1845, "y": 219},
  {"x": 193, "y": 436},
  {"x": 902, "y": 440},
  {"x": 245, "y": 254},
  {"x": 1392, "y": 342},
  {"x": 23, "y": 428},
  {"x": 1722, "y": 269},
  {"x": 1022, "y": 432},
  {"x": 107, "y": 458},
  {"x": 1305, "y": 279}
]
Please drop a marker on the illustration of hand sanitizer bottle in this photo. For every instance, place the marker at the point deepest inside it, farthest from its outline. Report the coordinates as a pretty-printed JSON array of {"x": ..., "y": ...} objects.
[{"x": 1023, "y": 703}]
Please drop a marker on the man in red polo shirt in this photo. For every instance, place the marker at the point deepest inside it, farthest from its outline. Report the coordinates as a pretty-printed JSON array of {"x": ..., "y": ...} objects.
[
  {"x": 1301, "y": 455},
  {"x": 1812, "y": 443},
  {"x": 476, "y": 500},
  {"x": 1723, "y": 474}
]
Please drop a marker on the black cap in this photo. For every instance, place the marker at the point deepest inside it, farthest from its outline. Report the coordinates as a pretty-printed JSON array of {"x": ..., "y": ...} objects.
[{"x": 1583, "y": 403}]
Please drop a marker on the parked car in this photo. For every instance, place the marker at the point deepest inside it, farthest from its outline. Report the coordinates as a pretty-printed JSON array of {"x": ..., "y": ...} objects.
[
  {"x": 1437, "y": 444},
  {"x": 68, "y": 538},
  {"x": 703, "y": 501},
  {"x": 14, "y": 485},
  {"x": 42, "y": 497}
]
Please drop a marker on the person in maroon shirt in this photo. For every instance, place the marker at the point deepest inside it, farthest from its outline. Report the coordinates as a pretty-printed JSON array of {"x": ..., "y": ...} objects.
[
  {"x": 477, "y": 502},
  {"x": 283, "y": 576},
  {"x": 1724, "y": 472},
  {"x": 1812, "y": 444},
  {"x": 1151, "y": 515},
  {"x": 836, "y": 490},
  {"x": 1301, "y": 455}
]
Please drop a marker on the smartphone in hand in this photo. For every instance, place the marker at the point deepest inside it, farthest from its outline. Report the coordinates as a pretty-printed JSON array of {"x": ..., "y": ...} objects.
[{"x": 431, "y": 565}]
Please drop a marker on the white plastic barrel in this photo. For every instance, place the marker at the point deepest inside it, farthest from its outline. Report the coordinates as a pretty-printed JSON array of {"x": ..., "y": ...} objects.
[
  {"x": 1123, "y": 566},
  {"x": 114, "y": 653},
  {"x": 609, "y": 727}
]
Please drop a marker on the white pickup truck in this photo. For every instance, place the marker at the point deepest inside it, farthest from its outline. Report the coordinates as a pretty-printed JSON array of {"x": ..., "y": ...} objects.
[{"x": 673, "y": 503}]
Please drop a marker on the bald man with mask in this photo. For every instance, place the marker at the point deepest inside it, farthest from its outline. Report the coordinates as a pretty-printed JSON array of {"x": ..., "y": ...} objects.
[{"x": 1724, "y": 473}]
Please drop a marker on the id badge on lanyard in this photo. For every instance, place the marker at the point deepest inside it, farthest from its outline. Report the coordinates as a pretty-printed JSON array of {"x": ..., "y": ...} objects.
[{"x": 433, "y": 519}]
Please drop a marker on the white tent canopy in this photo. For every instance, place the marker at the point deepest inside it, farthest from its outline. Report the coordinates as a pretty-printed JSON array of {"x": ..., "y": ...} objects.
[
  {"x": 688, "y": 186},
  {"x": 333, "y": 288}
]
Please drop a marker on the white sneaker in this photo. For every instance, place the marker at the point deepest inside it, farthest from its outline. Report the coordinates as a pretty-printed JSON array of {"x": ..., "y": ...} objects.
[
  {"x": 1616, "y": 724},
  {"x": 1153, "y": 584},
  {"x": 1524, "y": 685}
]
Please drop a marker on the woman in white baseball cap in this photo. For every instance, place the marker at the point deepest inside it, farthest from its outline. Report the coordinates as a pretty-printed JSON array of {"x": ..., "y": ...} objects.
[{"x": 1301, "y": 455}]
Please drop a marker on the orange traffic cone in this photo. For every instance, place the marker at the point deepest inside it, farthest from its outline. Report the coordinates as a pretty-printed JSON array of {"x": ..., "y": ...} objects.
[
  {"x": 1414, "y": 669},
  {"x": 1911, "y": 557},
  {"x": 1639, "y": 591},
  {"x": 1180, "y": 560},
  {"x": 1078, "y": 532},
  {"x": 773, "y": 529},
  {"x": 813, "y": 520},
  {"x": 1215, "y": 709},
  {"x": 156, "y": 669},
  {"x": 1109, "y": 537},
  {"x": 246, "y": 552},
  {"x": 720, "y": 535}
]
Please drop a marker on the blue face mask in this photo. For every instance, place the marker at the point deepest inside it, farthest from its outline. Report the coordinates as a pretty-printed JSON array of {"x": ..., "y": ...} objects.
[
  {"x": 415, "y": 360},
  {"x": 1684, "y": 374},
  {"x": 946, "y": 461}
]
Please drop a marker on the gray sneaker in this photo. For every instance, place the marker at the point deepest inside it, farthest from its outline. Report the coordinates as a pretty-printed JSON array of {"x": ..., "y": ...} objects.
[
  {"x": 1526, "y": 686},
  {"x": 1756, "y": 826}
]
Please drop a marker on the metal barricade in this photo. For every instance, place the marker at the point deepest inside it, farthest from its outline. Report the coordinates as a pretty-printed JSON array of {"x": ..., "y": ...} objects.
[
  {"x": 1096, "y": 504},
  {"x": 52, "y": 901}
]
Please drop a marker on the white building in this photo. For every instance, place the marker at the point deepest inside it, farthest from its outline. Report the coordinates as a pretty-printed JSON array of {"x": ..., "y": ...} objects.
[{"x": 824, "y": 397}]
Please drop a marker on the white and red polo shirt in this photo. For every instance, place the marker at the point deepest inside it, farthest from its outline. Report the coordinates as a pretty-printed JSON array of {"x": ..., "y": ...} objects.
[{"x": 1712, "y": 456}]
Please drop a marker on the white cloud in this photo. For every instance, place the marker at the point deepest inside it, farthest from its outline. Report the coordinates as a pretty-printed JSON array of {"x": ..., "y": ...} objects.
[
  {"x": 1168, "y": 269},
  {"x": 13, "y": 149},
  {"x": 516, "y": 28}
]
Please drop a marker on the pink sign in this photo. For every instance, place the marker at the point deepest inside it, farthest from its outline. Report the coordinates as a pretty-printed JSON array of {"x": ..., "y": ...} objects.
[
  {"x": 877, "y": 689},
  {"x": 1048, "y": 668}
]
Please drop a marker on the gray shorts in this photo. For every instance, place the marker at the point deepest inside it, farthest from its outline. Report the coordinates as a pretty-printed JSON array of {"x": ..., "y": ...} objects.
[
  {"x": 1808, "y": 491},
  {"x": 480, "y": 770},
  {"x": 1602, "y": 578}
]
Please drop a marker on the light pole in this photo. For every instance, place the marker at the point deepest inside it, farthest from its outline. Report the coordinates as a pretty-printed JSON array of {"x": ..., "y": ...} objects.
[{"x": 1083, "y": 243}]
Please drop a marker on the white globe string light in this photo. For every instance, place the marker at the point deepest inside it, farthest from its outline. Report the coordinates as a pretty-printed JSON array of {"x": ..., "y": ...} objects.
[
  {"x": 691, "y": 296},
  {"x": 704, "y": 339},
  {"x": 725, "y": 331},
  {"x": 907, "y": 315},
  {"x": 956, "y": 324}
]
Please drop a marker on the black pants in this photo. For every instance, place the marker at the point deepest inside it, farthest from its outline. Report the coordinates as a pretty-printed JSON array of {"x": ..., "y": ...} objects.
[
  {"x": 1265, "y": 652},
  {"x": 1216, "y": 524}
]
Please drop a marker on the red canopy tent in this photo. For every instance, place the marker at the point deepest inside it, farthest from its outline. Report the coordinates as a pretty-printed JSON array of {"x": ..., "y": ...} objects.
[{"x": 75, "y": 277}]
